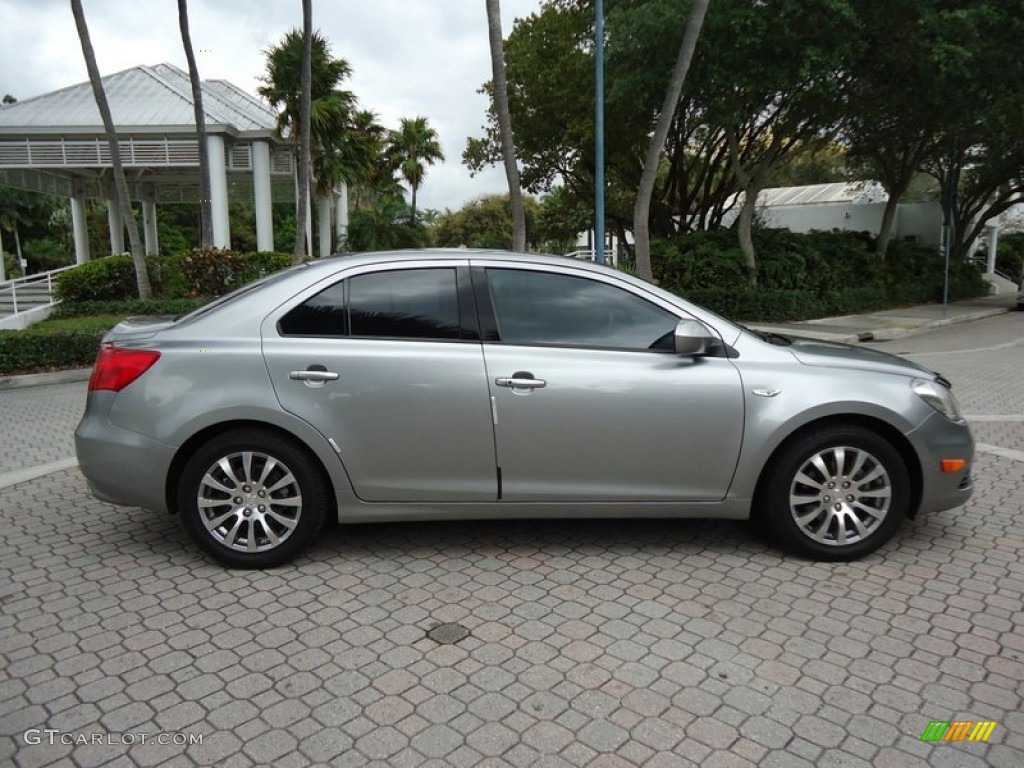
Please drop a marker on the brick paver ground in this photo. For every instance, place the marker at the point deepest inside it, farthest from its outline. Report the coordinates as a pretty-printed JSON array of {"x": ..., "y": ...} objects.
[{"x": 593, "y": 643}]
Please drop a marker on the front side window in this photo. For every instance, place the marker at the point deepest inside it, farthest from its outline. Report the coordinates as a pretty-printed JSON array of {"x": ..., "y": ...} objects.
[
  {"x": 548, "y": 308},
  {"x": 402, "y": 304}
]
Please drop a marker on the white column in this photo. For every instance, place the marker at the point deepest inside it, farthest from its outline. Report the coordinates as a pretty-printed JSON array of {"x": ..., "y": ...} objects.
[
  {"x": 262, "y": 194},
  {"x": 341, "y": 216},
  {"x": 324, "y": 224},
  {"x": 993, "y": 246},
  {"x": 149, "y": 221},
  {"x": 116, "y": 222},
  {"x": 78, "y": 225},
  {"x": 219, "y": 191}
]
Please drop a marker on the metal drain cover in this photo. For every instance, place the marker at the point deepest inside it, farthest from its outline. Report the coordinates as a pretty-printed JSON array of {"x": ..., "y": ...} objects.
[{"x": 448, "y": 633}]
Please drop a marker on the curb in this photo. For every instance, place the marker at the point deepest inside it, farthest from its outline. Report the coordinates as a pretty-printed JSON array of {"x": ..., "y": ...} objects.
[
  {"x": 882, "y": 333},
  {"x": 42, "y": 379}
]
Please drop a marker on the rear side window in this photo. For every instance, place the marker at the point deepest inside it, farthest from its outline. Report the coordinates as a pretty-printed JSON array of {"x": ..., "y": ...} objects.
[
  {"x": 323, "y": 315},
  {"x": 398, "y": 304}
]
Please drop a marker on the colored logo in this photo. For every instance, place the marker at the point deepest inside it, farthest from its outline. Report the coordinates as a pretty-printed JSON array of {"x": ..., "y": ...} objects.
[{"x": 958, "y": 730}]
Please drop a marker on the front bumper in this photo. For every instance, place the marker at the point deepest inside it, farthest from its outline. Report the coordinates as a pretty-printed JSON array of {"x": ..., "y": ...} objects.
[
  {"x": 122, "y": 467},
  {"x": 939, "y": 438}
]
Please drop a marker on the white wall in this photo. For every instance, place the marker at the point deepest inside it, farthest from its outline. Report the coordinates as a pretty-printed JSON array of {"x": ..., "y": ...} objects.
[
  {"x": 824, "y": 216},
  {"x": 922, "y": 221}
]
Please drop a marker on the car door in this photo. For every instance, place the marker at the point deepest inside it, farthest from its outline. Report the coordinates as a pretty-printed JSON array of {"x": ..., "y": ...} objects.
[
  {"x": 590, "y": 401},
  {"x": 388, "y": 365}
]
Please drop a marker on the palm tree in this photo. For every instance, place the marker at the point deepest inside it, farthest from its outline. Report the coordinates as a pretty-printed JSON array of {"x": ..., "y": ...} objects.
[
  {"x": 508, "y": 144},
  {"x": 334, "y": 156},
  {"x": 642, "y": 208},
  {"x": 413, "y": 147},
  {"x": 205, "y": 193},
  {"x": 305, "y": 106},
  {"x": 120, "y": 185}
]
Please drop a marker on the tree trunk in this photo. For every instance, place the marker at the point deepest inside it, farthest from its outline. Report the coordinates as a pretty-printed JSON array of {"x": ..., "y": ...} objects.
[
  {"x": 205, "y": 194},
  {"x": 299, "y": 251},
  {"x": 887, "y": 225},
  {"x": 120, "y": 184},
  {"x": 413, "y": 188},
  {"x": 642, "y": 208},
  {"x": 745, "y": 227},
  {"x": 508, "y": 146}
]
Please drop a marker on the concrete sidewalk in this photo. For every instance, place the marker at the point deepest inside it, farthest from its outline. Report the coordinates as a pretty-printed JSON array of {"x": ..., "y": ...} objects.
[{"x": 893, "y": 323}]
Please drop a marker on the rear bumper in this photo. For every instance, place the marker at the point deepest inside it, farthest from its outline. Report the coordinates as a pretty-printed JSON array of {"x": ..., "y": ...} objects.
[
  {"x": 936, "y": 439},
  {"x": 122, "y": 467}
]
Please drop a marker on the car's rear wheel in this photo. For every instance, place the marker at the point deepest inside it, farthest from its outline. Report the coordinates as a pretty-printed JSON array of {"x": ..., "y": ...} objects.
[
  {"x": 837, "y": 493},
  {"x": 252, "y": 499}
]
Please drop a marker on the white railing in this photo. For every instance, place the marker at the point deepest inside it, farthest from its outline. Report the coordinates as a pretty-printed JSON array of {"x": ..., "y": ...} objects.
[
  {"x": 982, "y": 263},
  {"x": 32, "y": 283},
  {"x": 590, "y": 255}
]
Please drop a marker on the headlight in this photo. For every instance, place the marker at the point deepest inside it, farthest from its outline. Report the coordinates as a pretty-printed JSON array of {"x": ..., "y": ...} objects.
[{"x": 938, "y": 397}]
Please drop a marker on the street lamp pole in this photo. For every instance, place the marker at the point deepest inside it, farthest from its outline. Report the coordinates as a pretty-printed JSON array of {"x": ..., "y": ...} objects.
[{"x": 599, "y": 131}]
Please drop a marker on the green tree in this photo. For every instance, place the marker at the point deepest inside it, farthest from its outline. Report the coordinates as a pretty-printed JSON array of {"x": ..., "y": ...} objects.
[
  {"x": 979, "y": 157},
  {"x": 413, "y": 147},
  {"x": 120, "y": 185},
  {"x": 486, "y": 222},
  {"x": 794, "y": 96}
]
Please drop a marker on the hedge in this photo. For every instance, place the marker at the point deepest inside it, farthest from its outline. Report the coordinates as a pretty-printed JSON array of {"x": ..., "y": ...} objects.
[
  {"x": 127, "y": 308},
  {"x": 203, "y": 272},
  {"x": 53, "y": 344},
  {"x": 803, "y": 276}
]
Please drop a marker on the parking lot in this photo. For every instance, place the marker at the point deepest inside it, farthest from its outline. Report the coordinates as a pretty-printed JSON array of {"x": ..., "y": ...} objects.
[{"x": 591, "y": 643}]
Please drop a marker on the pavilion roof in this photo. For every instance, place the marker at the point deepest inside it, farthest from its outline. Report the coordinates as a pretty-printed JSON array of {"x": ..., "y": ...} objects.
[{"x": 155, "y": 98}]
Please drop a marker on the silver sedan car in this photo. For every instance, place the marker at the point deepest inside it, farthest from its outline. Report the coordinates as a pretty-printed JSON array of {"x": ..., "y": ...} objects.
[{"x": 460, "y": 384}]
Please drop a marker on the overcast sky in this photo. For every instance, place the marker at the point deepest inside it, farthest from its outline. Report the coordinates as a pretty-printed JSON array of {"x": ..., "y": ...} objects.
[{"x": 409, "y": 57}]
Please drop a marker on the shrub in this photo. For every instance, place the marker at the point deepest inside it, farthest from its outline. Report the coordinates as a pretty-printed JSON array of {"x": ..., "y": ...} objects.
[
  {"x": 214, "y": 272},
  {"x": 111, "y": 278}
]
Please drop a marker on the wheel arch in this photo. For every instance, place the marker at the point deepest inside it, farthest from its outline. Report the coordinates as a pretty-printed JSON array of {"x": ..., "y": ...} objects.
[
  {"x": 186, "y": 449},
  {"x": 883, "y": 429}
]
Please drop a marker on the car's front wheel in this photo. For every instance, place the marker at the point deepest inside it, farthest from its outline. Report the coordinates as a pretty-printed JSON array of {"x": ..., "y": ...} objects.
[
  {"x": 837, "y": 493},
  {"x": 252, "y": 499}
]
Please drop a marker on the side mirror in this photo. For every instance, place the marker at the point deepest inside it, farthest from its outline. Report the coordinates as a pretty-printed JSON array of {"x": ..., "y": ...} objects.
[{"x": 692, "y": 338}]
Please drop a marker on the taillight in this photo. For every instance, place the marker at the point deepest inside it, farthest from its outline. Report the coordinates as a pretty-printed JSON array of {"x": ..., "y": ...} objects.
[{"x": 117, "y": 367}]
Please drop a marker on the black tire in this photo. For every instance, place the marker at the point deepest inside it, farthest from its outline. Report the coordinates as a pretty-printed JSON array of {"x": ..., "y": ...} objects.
[
  {"x": 276, "y": 505},
  {"x": 861, "y": 510}
]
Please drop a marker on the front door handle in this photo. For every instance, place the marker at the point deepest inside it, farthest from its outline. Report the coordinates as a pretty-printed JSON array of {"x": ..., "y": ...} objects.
[{"x": 521, "y": 380}]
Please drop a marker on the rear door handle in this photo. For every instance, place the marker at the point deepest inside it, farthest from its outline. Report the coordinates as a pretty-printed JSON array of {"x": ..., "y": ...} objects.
[
  {"x": 521, "y": 380},
  {"x": 313, "y": 375}
]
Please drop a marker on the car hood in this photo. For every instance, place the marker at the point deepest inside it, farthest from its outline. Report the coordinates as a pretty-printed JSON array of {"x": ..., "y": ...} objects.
[
  {"x": 831, "y": 354},
  {"x": 136, "y": 328}
]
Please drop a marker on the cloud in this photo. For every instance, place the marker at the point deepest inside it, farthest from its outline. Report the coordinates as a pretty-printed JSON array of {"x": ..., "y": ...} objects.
[{"x": 409, "y": 57}]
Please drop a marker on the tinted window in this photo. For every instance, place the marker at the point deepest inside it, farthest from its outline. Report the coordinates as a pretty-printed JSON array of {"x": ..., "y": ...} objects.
[
  {"x": 409, "y": 303},
  {"x": 323, "y": 315},
  {"x": 547, "y": 308}
]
